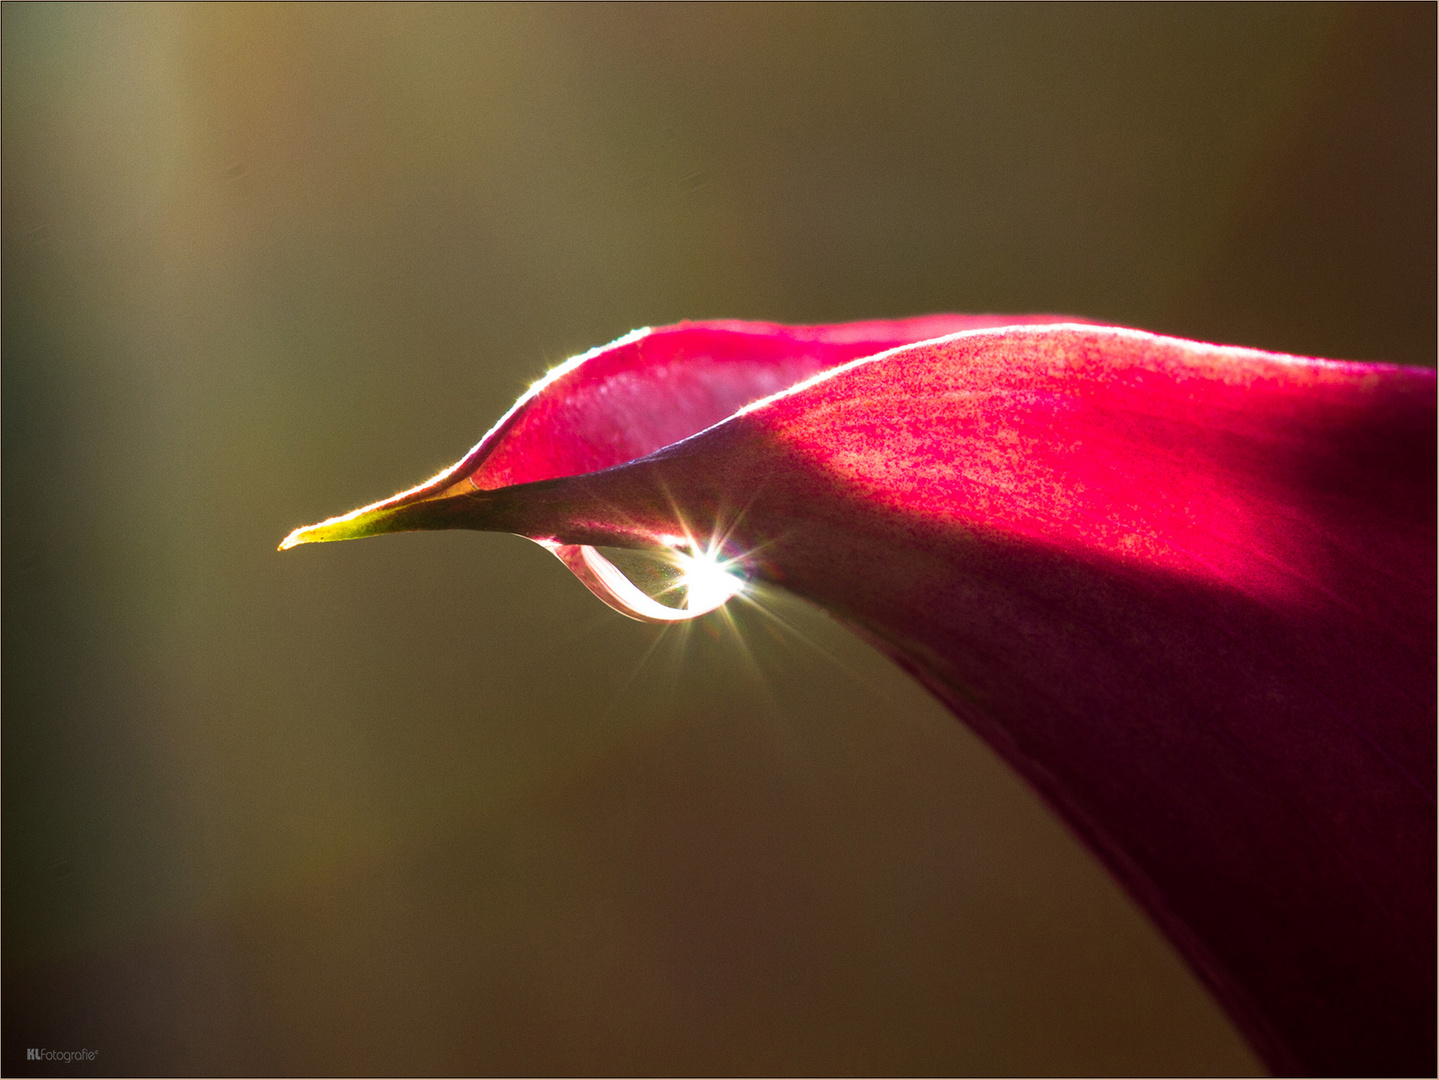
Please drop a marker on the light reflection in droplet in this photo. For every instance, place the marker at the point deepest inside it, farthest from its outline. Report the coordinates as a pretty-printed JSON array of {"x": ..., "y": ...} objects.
[
  {"x": 697, "y": 575},
  {"x": 708, "y": 579}
]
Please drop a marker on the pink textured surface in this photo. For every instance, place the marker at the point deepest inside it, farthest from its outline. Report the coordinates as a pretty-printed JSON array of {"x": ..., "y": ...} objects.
[
  {"x": 1188, "y": 591},
  {"x": 637, "y": 396}
]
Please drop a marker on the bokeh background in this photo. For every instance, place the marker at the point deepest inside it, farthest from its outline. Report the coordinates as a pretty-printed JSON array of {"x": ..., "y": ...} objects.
[{"x": 421, "y": 804}]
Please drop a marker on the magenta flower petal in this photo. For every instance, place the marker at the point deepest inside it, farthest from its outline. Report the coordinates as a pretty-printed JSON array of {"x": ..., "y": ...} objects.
[
  {"x": 1188, "y": 591},
  {"x": 643, "y": 392}
]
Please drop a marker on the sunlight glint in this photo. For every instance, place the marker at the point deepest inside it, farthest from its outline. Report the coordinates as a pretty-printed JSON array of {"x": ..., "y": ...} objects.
[{"x": 707, "y": 580}]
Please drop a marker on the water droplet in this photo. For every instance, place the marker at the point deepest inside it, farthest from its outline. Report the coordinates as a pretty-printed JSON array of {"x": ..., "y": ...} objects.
[{"x": 665, "y": 584}]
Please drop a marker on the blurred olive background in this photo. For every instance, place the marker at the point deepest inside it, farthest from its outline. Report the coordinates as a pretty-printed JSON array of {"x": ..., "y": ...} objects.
[{"x": 421, "y": 804}]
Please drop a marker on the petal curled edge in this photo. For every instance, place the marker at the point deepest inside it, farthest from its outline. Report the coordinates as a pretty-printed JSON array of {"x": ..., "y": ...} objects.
[
  {"x": 1187, "y": 591},
  {"x": 647, "y": 390}
]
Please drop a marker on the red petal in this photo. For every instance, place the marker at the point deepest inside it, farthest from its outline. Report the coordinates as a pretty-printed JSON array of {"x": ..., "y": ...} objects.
[{"x": 1188, "y": 591}]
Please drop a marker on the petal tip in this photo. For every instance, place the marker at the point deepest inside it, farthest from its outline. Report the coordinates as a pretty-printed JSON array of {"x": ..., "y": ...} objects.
[
  {"x": 333, "y": 529},
  {"x": 366, "y": 521}
]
